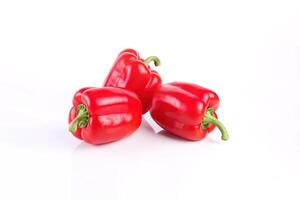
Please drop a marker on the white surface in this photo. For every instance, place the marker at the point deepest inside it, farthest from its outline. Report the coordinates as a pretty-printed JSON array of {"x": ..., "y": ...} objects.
[{"x": 247, "y": 51}]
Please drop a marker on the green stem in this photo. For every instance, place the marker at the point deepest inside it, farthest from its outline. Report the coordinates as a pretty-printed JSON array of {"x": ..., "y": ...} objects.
[
  {"x": 81, "y": 119},
  {"x": 155, "y": 59},
  {"x": 210, "y": 119}
]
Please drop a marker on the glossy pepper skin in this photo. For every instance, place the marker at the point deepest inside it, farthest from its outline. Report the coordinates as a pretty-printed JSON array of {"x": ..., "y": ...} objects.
[
  {"x": 186, "y": 110},
  {"x": 102, "y": 115},
  {"x": 133, "y": 73}
]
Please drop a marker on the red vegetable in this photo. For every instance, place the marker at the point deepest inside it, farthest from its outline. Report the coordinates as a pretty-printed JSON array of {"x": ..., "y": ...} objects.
[
  {"x": 133, "y": 73},
  {"x": 186, "y": 110},
  {"x": 102, "y": 115}
]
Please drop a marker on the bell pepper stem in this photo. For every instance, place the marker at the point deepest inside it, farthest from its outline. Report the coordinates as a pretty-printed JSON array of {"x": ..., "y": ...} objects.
[
  {"x": 155, "y": 59},
  {"x": 80, "y": 120},
  {"x": 210, "y": 119}
]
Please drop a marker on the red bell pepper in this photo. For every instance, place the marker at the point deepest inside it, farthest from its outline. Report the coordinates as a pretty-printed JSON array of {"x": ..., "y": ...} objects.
[
  {"x": 131, "y": 72},
  {"x": 186, "y": 110},
  {"x": 102, "y": 115}
]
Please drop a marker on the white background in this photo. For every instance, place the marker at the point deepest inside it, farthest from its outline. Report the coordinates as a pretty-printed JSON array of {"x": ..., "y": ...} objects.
[{"x": 247, "y": 51}]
